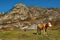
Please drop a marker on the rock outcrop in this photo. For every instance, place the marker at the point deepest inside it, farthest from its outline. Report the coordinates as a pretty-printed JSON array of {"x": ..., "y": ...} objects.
[{"x": 20, "y": 16}]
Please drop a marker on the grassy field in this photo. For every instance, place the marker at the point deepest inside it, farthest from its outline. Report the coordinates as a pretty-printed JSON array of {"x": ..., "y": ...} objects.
[{"x": 28, "y": 35}]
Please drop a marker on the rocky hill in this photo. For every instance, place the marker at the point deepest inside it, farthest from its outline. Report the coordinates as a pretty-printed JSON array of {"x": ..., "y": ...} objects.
[{"x": 22, "y": 16}]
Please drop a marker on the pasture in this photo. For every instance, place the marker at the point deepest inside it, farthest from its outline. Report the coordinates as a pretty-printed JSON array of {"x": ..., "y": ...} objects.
[{"x": 53, "y": 34}]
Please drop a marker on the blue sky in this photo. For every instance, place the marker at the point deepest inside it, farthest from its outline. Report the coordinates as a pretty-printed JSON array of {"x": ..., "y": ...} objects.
[{"x": 6, "y": 5}]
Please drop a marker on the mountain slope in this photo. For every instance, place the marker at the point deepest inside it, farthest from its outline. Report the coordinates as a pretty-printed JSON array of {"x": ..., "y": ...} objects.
[{"x": 20, "y": 16}]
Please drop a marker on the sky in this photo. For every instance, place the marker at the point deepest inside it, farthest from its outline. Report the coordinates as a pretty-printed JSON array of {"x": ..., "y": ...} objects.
[{"x": 6, "y": 5}]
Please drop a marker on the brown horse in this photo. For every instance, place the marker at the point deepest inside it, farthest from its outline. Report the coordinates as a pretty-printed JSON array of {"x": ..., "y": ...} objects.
[{"x": 43, "y": 26}]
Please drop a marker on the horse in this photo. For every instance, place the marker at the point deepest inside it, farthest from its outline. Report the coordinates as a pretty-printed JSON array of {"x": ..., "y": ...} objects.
[{"x": 43, "y": 26}]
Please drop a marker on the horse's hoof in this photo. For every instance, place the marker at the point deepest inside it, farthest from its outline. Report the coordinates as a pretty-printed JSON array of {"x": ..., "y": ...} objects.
[
  {"x": 34, "y": 33},
  {"x": 38, "y": 33}
]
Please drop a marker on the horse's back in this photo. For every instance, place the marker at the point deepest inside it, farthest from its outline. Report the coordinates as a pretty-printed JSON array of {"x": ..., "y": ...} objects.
[{"x": 40, "y": 25}]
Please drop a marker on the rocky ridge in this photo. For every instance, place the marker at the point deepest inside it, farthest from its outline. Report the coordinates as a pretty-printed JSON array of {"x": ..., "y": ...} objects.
[{"x": 21, "y": 16}]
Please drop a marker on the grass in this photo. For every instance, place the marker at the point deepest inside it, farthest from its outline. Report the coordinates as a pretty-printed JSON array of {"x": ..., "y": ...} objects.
[
  {"x": 28, "y": 35},
  {"x": 17, "y": 35},
  {"x": 52, "y": 35}
]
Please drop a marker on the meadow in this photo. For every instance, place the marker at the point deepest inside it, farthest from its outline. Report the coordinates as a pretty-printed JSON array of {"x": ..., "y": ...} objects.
[{"x": 53, "y": 34}]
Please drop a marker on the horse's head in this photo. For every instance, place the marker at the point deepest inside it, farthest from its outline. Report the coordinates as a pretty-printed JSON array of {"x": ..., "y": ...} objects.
[{"x": 50, "y": 24}]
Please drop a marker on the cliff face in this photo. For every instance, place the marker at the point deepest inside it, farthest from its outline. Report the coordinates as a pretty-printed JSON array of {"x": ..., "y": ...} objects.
[{"x": 21, "y": 16}]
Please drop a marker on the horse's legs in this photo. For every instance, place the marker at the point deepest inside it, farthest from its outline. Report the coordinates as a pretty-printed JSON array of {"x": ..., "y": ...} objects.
[
  {"x": 38, "y": 30},
  {"x": 45, "y": 31}
]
